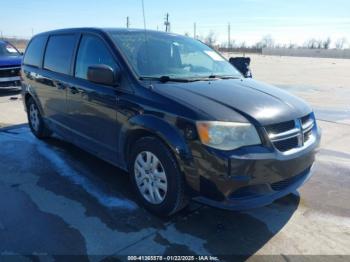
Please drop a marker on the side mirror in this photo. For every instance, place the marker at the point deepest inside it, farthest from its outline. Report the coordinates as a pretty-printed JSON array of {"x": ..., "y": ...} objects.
[
  {"x": 242, "y": 65},
  {"x": 102, "y": 74}
]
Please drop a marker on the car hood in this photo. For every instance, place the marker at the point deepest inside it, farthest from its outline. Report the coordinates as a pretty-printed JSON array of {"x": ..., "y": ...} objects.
[
  {"x": 237, "y": 100},
  {"x": 10, "y": 61}
]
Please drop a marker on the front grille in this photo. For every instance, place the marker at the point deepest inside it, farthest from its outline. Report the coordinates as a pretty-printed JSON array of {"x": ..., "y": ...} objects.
[
  {"x": 287, "y": 144},
  {"x": 307, "y": 135},
  {"x": 10, "y": 72},
  {"x": 305, "y": 119},
  {"x": 281, "y": 127},
  {"x": 292, "y": 134},
  {"x": 10, "y": 84}
]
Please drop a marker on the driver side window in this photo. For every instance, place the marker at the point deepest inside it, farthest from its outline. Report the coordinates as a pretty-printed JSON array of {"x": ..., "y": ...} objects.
[{"x": 92, "y": 51}]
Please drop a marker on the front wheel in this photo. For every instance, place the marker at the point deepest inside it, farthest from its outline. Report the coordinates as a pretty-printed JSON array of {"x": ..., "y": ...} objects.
[{"x": 156, "y": 177}]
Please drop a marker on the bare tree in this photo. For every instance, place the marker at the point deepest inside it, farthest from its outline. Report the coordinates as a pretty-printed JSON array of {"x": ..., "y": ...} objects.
[
  {"x": 319, "y": 43},
  {"x": 279, "y": 45},
  {"x": 326, "y": 43},
  {"x": 309, "y": 44},
  {"x": 231, "y": 45},
  {"x": 210, "y": 39},
  {"x": 340, "y": 43},
  {"x": 313, "y": 43},
  {"x": 243, "y": 44},
  {"x": 292, "y": 46},
  {"x": 266, "y": 42}
]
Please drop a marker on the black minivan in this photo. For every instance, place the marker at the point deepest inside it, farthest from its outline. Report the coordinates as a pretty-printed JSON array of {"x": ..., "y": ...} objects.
[{"x": 173, "y": 113}]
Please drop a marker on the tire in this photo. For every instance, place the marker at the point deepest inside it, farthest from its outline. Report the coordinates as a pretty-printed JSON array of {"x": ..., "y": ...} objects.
[
  {"x": 166, "y": 202},
  {"x": 35, "y": 120}
]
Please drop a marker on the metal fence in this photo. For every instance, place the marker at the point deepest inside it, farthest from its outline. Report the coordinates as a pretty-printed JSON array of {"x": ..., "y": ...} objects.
[
  {"x": 304, "y": 52},
  {"x": 241, "y": 50}
]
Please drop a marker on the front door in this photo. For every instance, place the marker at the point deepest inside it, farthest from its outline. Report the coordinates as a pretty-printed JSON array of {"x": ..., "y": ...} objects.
[{"x": 92, "y": 108}]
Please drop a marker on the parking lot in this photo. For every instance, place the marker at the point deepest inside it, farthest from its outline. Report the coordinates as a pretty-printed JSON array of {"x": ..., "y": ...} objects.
[{"x": 55, "y": 199}]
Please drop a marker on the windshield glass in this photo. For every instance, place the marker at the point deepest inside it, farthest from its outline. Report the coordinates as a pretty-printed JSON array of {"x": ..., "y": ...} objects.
[
  {"x": 8, "y": 50},
  {"x": 171, "y": 55}
]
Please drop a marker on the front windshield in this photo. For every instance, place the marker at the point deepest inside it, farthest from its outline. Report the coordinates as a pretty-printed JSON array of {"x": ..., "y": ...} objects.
[
  {"x": 8, "y": 50},
  {"x": 171, "y": 55}
]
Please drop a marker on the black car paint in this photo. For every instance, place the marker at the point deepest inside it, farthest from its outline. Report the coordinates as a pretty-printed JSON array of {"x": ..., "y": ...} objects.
[{"x": 105, "y": 120}]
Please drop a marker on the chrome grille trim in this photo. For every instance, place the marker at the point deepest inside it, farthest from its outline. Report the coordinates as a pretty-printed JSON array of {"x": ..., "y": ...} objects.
[
  {"x": 284, "y": 135},
  {"x": 302, "y": 130},
  {"x": 10, "y": 68},
  {"x": 308, "y": 125}
]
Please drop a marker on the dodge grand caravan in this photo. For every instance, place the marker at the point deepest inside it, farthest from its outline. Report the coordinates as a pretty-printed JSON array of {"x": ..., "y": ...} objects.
[{"x": 173, "y": 113}]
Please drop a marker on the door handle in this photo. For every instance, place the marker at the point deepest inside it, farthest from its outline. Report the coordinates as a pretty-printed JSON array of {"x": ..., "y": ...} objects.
[
  {"x": 60, "y": 86},
  {"x": 74, "y": 90}
]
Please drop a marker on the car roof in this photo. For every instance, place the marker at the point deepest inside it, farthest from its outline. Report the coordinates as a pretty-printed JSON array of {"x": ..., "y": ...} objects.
[{"x": 100, "y": 30}]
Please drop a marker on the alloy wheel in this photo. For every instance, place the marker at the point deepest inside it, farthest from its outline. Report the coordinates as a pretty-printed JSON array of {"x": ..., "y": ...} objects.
[
  {"x": 150, "y": 177},
  {"x": 34, "y": 117}
]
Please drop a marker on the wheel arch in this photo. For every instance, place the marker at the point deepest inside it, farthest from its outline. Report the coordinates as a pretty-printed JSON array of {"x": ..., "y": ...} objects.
[
  {"x": 142, "y": 126},
  {"x": 28, "y": 95}
]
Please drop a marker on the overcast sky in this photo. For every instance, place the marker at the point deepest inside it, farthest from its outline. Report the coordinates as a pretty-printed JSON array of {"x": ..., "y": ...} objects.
[{"x": 285, "y": 20}]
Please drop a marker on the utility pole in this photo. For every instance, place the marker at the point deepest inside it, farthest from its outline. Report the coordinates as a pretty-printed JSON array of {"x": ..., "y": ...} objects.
[
  {"x": 167, "y": 23},
  {"x": 195, "y": 30},
  {"x": 127, "y": 22},
  {"x": 229, "y": 35}
]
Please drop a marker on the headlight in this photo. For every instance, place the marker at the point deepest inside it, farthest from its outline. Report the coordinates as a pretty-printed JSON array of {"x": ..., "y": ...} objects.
[{"x": 227, "y": 135}]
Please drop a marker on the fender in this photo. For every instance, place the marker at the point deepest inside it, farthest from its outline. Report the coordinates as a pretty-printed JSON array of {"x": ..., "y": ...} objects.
[
  {"x": 28, "y": 91},
  {"x": 169, "y": 134}
]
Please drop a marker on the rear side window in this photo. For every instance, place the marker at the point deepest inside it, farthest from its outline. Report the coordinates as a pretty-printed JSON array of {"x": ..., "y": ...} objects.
[
  {"x": 59, "y": 53},
  {"x": 35, "y": 51},
  {"x": 92, "y": 51}
]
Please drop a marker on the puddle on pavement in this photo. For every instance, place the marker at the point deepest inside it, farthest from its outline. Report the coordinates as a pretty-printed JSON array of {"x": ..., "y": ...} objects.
[
  {"x": 67, "y": 171},
  {"x": 23, "y": 236},
  {"x": 213, "y": 231}
]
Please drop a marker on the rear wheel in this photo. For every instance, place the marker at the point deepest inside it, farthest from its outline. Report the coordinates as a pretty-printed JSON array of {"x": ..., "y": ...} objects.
[
  {"x": 156, "y": 177},
  {"x": 35, "y": 120}
]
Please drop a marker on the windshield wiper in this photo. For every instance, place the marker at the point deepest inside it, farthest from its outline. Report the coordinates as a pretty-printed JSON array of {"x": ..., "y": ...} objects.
[
  {"x": 223, "y": 77},
  {"x": 165, "y": 79}
]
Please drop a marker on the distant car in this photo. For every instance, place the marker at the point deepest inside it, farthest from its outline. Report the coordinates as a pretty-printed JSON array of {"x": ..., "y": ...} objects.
[
  {"x": 173, "y": 112},
  {"x": 10, "y": 66}
]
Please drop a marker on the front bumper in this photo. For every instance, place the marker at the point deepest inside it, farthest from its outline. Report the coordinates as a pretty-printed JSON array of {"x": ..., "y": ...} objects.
[
  {"x": 251, "y": 177},
  {"x": 259, "y": 195},
  {"x": 10, "y": 83}
]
